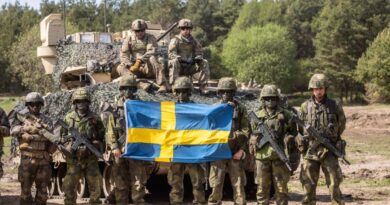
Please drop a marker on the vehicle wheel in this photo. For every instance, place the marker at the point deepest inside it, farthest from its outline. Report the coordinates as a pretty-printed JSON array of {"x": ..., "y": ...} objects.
[
  {"x": 61, "y": 172},
  {"x": 51, "y": 186},
  {"x": 108, "y": 185}
]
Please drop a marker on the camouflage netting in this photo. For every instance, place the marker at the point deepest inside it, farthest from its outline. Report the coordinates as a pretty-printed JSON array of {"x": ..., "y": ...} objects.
[
  {"x": 57, "y": 104},
  {"x": 77, "y": 54}
]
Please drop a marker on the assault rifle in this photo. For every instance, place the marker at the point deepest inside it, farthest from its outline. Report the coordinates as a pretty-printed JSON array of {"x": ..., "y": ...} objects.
[
  {"x": 167, "y": 31},
  {"x": 268, "y": 136},
  {"x": 44, "y": 130},
  {"x": 320, "y": 138},
  {"x": 79, "y": 139}
]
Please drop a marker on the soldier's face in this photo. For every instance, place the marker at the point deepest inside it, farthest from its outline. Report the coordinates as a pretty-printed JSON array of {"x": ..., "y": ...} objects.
[
  {"x": 185, "y": 31},
  {"x": 140, "y": 34},
  {"x": 226, "y": 95},
  {"x": 128, "y": 92},
  {"x": 34, "y": 107},
  {"x": 270, "y": 102},
  {"x": 183, "y": 95},
  {"x": 82, "y": 106},
  {"x": 319, "y": 93}
]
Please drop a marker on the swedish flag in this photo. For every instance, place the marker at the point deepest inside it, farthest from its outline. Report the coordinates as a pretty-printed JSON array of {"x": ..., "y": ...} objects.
[{"x": 177, "y": 132}]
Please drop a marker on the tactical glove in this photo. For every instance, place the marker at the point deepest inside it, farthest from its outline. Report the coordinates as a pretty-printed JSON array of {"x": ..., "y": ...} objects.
[{"x": 136, "y": 66}]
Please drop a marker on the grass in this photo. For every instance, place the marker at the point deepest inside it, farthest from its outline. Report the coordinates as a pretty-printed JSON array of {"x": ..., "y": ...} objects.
[
  {"x": 7, "y": 103},
  {"x": 372, "y": 145}
]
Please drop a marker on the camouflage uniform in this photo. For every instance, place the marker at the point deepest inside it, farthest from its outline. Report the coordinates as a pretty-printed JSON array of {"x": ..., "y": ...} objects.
[
  {"x": 238, "y": 140},
  {"x": 176, "y": 171},
  {"x": 84, "y": 164},
  {"x": 144, "y": 51},
  {"x": 326, "y": 116},
  {"x": 183, "y": 50},
  {"x": 125, "y": 168},
  {"x": 35, "y": 157},
  {"x": 4, "y": 131},
  {"x": 269, "y": 168}
]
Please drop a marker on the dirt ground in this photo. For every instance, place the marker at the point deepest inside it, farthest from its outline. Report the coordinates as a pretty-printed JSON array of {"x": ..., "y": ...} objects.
[{"x": 366, "y": 180}]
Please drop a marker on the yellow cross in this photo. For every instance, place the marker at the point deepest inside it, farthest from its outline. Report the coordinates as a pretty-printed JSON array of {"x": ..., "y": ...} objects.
[{"x": 167, "y": 136}]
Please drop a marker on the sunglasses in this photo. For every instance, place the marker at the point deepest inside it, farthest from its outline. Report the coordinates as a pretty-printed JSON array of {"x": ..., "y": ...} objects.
[
  {"x": 38, "y": 104},
  {"x": 186, "y": 28},
  {"x": 139, "y": 31}
]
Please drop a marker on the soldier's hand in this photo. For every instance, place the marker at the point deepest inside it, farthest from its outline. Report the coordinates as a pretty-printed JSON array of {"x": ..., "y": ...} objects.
[
  {"x": 117, "y": 153},
  {"x": 28, "y": 137},
  {"x": 30, "y": 129},
  {"x": 240, "y": 155},
  {"x": 232, "y": 104}
]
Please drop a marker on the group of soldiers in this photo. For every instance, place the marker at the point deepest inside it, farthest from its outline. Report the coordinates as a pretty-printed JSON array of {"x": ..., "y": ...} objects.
[
  {"x": 139, "y": 51},
  {"x": 130, "y": 176}
]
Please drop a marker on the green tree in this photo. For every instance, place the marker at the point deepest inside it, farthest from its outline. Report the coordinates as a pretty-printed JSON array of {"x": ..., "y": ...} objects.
[
  {"x": 373, "y": 69},
  {"x": 24, "y": 64},
  {"x": 345, "y": 29},
  {"x": 265, "y": 54},
  {"x": 299, "y": 15}
]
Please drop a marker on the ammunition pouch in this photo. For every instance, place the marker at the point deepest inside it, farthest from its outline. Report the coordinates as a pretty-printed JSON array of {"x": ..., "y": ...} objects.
[
  {"x": 253, "y": 144},
  {"x": 341, "y": 145},
  {"x": 302, "y": 144},
  {"x": 35, "y": 154}
]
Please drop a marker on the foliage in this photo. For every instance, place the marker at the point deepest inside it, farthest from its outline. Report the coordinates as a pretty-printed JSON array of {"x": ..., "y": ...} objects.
[
  {"x": 373, "y": 68},
  {"x": 345, "y": 29},
  {"x": 25, "y": 65},
  {"x": 265, "y": 54}
]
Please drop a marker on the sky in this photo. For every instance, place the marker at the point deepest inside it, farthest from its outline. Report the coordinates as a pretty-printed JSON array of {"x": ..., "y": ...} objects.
[{"x": 31, "y": 3}]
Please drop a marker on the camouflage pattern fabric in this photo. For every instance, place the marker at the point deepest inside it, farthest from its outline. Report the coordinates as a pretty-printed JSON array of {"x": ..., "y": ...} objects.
[
  {"x": 34, "y": 163},
  {"x": 145, "y": 50},
  {"x": 321, "y": 115},
  {"x": 238, "y": 140},
  {"x": 268, "y": 166},
  {"x": 126, "y": 173},
  {"x": 85, "y": 164},
  {"x": 175, "y": 180},
  {"x": 34, "y": 170},
  {"x": 182, "y": 49}
]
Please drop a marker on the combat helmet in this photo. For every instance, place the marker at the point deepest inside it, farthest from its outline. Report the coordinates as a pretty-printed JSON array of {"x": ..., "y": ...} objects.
[
  {"x": 269, "y": 91},
  {"x": 227, "y": 83},
  {"x": 128, "y": 81},
  {"x": 34, "y": 97},
  {"x": 185, "y": 23},
  {"x": 182, "y": 83},
  {"x": 138, "y": 25},
  {"x": 80, "y": 94},
  {"x": 318, "y": 80}
]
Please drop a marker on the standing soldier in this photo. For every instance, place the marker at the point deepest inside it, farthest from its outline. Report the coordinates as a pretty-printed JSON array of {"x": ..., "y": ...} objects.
[
  {"x": 269, "y": 168},
  {"x": 238, "y": 142},
  {"x": 35, "y": 152},
  {"x": 138, "y": 55},
  {"x": 84, "y": 164},
  {"x": 327, "y": 116},
  {"x": 116, "y": 135},
  {"x": 186, "y": 56},
  {"x": 182, "y": 90},
  {"x": 4, "y": 132}
]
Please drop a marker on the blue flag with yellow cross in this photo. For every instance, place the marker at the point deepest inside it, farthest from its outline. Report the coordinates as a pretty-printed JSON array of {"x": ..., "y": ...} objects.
[{"x": 177, "y": 132}]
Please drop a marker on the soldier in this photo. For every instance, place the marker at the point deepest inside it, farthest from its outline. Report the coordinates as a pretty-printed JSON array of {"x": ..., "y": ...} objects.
[
  {"x": 269, "y": 168},
  {"x": 182, "y": 90},
  {"x": 138, "y": 55},
  {"x": 116, "y": 135},
  {"x": 4, "y": 132},
  {"x": 35, "y": 152},
  {"x": 186, "y": 56},
  {"x": 327, "y": 116},
  {"x": 238, "y": 142},
  {"x": 84, "y": 164}
]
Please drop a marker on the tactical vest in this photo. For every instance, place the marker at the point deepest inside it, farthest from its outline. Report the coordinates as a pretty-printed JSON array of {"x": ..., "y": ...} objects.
[
  {"x": 323, "y": 116},
  {"x": 186, "y": 49},
  {"x": 35, "y": 148},
  {"x": 120, "y": 126},
  {"x": 138, "y": 47}
]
